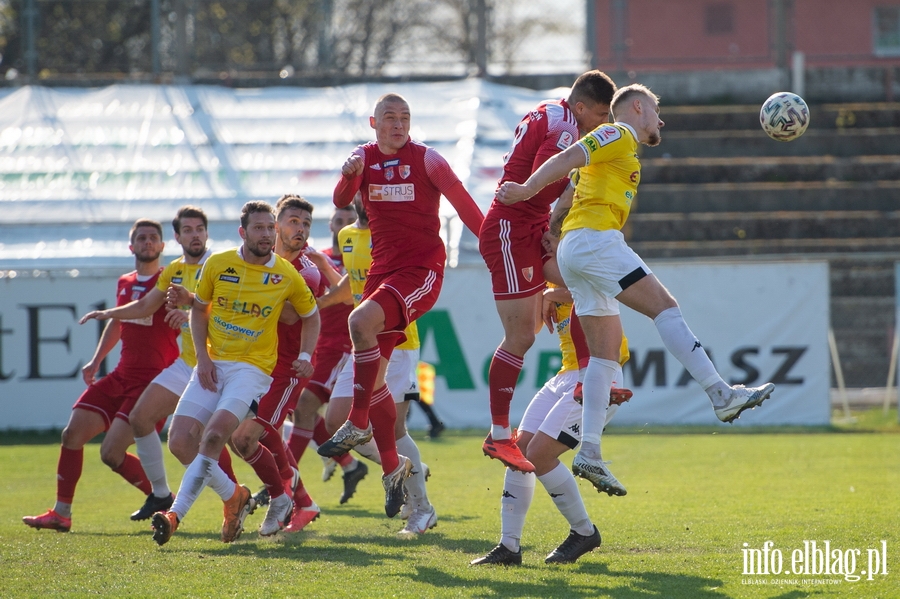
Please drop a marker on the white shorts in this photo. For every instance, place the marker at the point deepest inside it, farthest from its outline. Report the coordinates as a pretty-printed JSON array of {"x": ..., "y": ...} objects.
[
  {"x": 400, "y": 375},
  {"x": 174, "y": 378},
  {"x": 597, "y": 266},
  {"x": 544, "y": 400},
  {"x": 563, "y": 423},
  {"x": 240, "y": 387}
]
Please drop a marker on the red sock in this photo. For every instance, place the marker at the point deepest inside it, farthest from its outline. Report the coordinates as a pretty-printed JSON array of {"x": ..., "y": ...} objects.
[
  {"x": 582, "y": 353},
  {"x": 225, "y": 464},
  {"x": 502, "y": 378},
  {"x": 300, "y": 441},
  {"x": 320, "y": 433},
  {"x": 383, "y": 414},
  {"x": 272, "y": 441},
  {"x": 345, "y": 459},
  {"x": 301, "y": 497},
  {"x": 263, "y": 464},
  {"x": 68, "y": 471},
  {"x": 132, "y": 471},
  {"x": 365, "y": 371}
]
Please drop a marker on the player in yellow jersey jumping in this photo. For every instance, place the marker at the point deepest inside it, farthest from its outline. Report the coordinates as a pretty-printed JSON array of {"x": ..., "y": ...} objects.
[
  {"x": 601, "y": 270},
  {"x": 237, "y": 303}
]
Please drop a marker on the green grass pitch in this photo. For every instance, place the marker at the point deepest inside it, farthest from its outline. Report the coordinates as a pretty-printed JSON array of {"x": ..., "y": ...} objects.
[{"x": 694, "y": 500}]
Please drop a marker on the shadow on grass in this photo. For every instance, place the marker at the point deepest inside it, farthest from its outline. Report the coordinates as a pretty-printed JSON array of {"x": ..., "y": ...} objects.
[{"x": 636, "y": 585}]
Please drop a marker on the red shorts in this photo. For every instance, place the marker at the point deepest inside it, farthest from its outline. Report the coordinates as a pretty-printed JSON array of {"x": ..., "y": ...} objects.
[
  {"x": 280, "y": 400},
  {"x": 113, "y": 395},
  {"x": 328, "y": 361},
  {"x": 515, "y": 256},
  {"x": 404, "y": 295}
]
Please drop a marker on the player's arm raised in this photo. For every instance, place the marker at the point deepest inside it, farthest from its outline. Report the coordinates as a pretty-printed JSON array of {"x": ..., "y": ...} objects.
[
  {"x": 351, "y": 179},
  {"x": 553, "y": 170},
  {"x": 141, "y": 308}
]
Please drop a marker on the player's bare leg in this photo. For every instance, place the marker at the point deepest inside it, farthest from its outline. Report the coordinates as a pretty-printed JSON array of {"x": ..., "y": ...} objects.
[{"x": 114, "y": 453}]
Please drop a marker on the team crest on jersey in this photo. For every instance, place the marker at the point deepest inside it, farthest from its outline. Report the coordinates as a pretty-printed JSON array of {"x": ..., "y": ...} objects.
[
  {"x": 404, "y": 171},
  {"x": 271, "y": 278},
  {"x": 389, "y": 173},
  {"x": 528, "y": 273},
  {"x": 136, "y": 292}
]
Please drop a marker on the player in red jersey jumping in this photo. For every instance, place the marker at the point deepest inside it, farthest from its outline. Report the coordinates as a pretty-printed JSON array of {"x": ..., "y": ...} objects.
[
  {"x": 510, "y": 242},
  {"x": 148, "y": 346},
  {"x": 401, "y": 182}
]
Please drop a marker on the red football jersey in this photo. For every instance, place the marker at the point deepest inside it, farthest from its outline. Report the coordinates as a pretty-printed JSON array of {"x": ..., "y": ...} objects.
[
  {"x": 289, "y": 335},
  {"x": 402, "y": 194},
  {"x": 335, "y": 334},
  {"x": 148, "y": 344},
  {"x": 544, "y": 132}
]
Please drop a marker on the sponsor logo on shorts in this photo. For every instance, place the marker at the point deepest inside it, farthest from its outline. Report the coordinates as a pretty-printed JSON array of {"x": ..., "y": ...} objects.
[
  {"x": 575, "y": 428},
  {"x": 528, "y": 273}
]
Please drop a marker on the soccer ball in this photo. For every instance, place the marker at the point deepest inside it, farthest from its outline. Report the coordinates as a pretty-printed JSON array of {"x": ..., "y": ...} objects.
[{"x": 784, "y": 116}]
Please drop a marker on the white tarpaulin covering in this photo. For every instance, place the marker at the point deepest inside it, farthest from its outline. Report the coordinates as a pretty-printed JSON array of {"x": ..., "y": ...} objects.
[
  {"x": 105, "y": 157},
  {"x": 760, "y": 322}
]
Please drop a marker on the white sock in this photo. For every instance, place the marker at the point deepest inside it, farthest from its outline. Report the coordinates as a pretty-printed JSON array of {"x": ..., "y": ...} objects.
[
  {"x": 369, "y": 450},
  {"x": 563, "y": 490},
  {"x": 518, "y": 490},
  {"x": 618, "y": 382},
  {"x": 500, "y": 433},
  {"x": 415, "y": 484},
  {"x": 220, "y": 483},
  {"x": 195, "y": 478},
  {"x": 597, "y": 382},
  {"x": 63, "y": 509},
  {"x": 149, "y": 451},
  {"x": 683, "y": 344},
  {"x": 351, "y": 465}
]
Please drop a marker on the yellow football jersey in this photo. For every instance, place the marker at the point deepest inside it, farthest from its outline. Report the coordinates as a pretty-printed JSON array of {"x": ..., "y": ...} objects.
[
  {"x": 247, "y": 300},
  {"x": 607, "y": 184},
  {"x": 186, "y": 275},
  {"x": 356, "y": 248}
]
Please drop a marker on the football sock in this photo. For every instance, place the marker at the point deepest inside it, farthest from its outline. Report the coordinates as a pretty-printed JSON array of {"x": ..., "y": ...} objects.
[
  {"x": 415, "y": 484},
  {"x": 220, "y": 483},
  {"x": 598, "y": 379},
  {"x": 365, "y": 372},
  {"x": 320, "y": 433},
  {"x": 149, "y": 451},
  {"x": 130, "y": 469},
  {"x": 518, "y": 491},
  {"x": 226, "y": 466},
  {"x": 383, "y": 414},
  {"x": 682, "y": 344},
  {"x": 563, "y": 490},
  {"x": 68, "y": 471},
  {"x": 582, "y": 353},
  {"x": 271, "y": 440},
  {"x": 369, "y": 450},
  {"x": 263, "y": 464},
  {"x": 196, "y": 476},
  {"x": 301, "y": 496},
  {"x": 300, "y": 438},
  {"x": 63, "y": 509},
  {"x": 502, "y": 378},
  {"x": 347, "y": 461}
]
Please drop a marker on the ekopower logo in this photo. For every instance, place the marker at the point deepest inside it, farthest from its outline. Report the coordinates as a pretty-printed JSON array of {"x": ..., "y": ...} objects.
[{"x": 813, "y": 563}]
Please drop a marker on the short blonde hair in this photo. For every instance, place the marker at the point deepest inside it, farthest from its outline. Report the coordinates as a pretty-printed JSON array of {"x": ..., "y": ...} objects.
[{"x": 629, "y": 91}]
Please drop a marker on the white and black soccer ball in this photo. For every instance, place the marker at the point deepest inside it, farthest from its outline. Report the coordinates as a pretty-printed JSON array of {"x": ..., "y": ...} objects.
[{"x": 784, "y": 116}]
